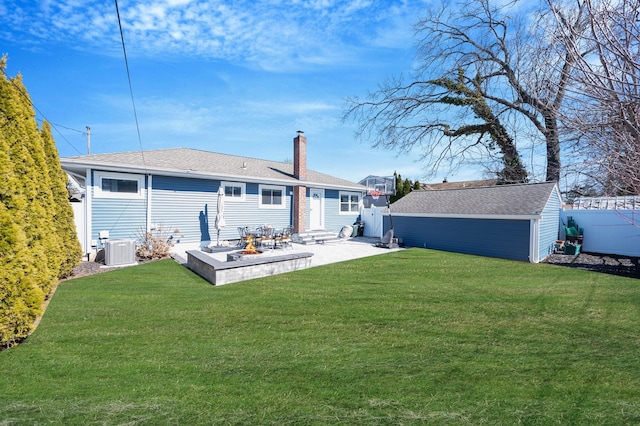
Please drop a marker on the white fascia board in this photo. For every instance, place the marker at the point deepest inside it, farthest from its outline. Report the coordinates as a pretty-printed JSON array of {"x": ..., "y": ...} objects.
[{"x": 465, "y": 216}]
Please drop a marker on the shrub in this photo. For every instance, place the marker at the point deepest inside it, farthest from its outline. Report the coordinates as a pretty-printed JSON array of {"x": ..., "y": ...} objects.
[{"x": 156, "y": 243}]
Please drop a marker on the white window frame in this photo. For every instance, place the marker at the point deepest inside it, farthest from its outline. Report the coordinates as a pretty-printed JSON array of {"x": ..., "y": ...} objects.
[
  {"x": 282, "y": 189},
  {"x": 99, "y": 193},
  {"x": 349, "y": 194},
  {"x": 243, "y": 190}
]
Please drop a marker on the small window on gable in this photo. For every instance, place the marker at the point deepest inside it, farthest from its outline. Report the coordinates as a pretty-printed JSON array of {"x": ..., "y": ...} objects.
[
  {"x": 272, "y": 197},
  {"x": 349, "y": 202},
  {"x": 234, "y": 191},
  {"x": 118, "y": 185}
]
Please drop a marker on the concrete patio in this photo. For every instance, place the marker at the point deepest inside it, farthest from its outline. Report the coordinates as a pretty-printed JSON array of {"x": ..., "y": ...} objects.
[{"x": 323, "y": 254}]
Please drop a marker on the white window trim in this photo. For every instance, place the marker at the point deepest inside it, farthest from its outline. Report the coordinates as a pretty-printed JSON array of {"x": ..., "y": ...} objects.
[
  {"x": 97, "y": 189},
  {"x": 243, "y": 190},
  {"x": 272, "y": 206},
  {"x": 340, "y": 194}
]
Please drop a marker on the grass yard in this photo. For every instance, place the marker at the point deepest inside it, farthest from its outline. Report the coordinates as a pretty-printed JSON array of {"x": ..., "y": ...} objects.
[{"x": 412, "y": 337}]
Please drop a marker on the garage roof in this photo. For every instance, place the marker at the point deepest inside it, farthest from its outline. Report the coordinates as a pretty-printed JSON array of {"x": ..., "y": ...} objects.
[{"x": 501, "y": 200}]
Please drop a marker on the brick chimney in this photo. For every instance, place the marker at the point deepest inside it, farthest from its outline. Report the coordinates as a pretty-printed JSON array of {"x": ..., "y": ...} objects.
[
  {"x": 300, "y": 156},
  {"x": 299, "y": 191}
]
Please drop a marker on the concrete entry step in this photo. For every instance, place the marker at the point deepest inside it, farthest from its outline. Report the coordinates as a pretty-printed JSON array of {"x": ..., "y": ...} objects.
[{"x": 318, "y": 236}]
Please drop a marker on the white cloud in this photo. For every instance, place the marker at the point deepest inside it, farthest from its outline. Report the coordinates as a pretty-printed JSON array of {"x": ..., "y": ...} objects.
[{"x": 275, "y": 35}]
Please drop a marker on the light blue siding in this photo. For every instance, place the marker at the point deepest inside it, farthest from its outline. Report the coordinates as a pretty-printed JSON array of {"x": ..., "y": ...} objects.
[
  {"x": 123, "y": 218},
  {"x": 549, "y": 226},
  {"x": 507, "y": 239},
  {"x": 190, "y": 205},
  {"x": 251, "y": 214},
  {"x": 333, "y": 220},
  {"x": 186, "y": 204}
]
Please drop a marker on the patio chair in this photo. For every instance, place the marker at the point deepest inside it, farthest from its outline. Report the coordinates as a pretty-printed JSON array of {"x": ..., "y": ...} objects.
[
  {"x": 243, "y": 231},
  {"x": 284, "y": 238},
  {"x": 265, "y": 237}
]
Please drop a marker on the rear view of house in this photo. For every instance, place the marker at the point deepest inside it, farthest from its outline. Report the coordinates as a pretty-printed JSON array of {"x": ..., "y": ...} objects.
[
  {"x": 129, "y": 192},
  {"x": 519, "y": 222}
]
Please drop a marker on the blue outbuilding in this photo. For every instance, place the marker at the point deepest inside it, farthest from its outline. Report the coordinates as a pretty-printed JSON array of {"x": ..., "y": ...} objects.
[{"x": 519, "y": 222}]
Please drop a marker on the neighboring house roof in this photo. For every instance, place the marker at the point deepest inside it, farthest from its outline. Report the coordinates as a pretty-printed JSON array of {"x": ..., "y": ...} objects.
[
  {"x": 461, "y": 184},
  {"x": 501, "y": 200},
  {"x": 186, "y": 162}
]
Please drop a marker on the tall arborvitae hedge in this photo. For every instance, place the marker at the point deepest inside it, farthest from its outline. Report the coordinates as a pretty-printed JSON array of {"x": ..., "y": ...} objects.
[
  {"x": 62, "y": 211},
  {"x": 38, "y": 242}
]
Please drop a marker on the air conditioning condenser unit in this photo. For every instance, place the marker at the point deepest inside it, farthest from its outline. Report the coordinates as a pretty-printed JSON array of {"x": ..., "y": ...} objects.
[{"x": 119, "y": 252}]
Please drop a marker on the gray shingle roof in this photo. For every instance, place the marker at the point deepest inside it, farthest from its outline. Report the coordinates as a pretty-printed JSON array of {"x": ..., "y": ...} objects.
[
  {"x": 193, "y": 163},
  {"x": 507, "y": 200}
]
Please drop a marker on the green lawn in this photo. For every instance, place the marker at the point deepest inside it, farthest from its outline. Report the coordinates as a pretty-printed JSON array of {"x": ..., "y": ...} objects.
[{"x": 411, "y": 337}]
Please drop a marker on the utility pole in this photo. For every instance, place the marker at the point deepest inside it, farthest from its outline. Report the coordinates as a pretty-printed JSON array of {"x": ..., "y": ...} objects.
[{"x": 88, "y": 140}]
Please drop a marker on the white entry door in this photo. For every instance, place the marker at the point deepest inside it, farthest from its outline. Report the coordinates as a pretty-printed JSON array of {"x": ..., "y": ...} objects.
[{"x": 316, "y": 204}]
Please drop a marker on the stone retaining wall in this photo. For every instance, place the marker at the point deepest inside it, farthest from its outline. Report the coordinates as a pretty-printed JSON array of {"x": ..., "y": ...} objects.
[{"x": 220, "y": 273}]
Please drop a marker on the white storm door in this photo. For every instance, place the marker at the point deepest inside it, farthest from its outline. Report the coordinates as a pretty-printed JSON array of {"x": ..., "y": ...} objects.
[{"x": 316, "y": 215}]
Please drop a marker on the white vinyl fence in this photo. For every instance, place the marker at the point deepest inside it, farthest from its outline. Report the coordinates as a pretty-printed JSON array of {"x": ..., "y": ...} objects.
[
  {"x": 607, "y": 231},
  {"x": 79, "y": 218},
  {"x": 372, "y": 218}
]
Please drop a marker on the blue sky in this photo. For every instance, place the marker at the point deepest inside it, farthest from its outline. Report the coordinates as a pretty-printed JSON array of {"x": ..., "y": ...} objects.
[{"x": 236, "y": 77}]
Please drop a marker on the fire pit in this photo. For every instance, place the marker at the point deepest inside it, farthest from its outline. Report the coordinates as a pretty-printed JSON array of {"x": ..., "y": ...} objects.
[{"x": 249, "y": 250}]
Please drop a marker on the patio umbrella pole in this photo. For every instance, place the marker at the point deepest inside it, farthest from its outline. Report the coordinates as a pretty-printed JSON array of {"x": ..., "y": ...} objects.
[{"x": 220, "y": 222}]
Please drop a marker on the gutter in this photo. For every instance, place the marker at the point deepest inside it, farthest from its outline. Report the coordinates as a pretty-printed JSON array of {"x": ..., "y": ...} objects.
[{"x": 469, "y": 216}]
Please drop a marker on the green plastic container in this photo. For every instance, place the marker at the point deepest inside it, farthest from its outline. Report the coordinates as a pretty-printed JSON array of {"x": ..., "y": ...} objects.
[{"x": 572, "y": 249}]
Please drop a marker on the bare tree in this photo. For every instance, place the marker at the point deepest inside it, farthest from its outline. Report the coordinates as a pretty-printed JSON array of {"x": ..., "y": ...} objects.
[
  {"x": 481, "y": 68},
  {"x": 605, "y": 98}
]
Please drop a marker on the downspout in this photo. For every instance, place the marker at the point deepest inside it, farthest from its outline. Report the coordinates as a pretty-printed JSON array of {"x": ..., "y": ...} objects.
[
  {"x": 88, "y": 196},
  {"x": 149, "y": 187},
  {"x": 534, "y": 243}
]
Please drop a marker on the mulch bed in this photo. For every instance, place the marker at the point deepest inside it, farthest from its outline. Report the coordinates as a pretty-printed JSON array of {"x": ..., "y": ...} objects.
[
  {"x": 614, "y": 264},
  {"x": 91, "y": 268}
]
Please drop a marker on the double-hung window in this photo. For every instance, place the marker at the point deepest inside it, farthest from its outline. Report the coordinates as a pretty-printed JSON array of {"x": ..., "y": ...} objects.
[
  {"x": 234, "y": 191},
  {"x": 272, "y": 196},
  {"x": 349, "y": 202}
]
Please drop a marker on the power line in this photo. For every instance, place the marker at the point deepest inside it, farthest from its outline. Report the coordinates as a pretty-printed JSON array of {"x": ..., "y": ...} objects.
[
  {"x": 68, "y": 128},
  {"x": 126, "y": 62},
  {"x": 35, "y": 108}
]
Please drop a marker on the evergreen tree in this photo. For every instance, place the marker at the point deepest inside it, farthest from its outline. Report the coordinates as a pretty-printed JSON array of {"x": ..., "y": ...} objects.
[
  {"x": 399, "y": 188},
  {"x": 37, "y": 234},
  {"x": 21, "y": 298},
  {"x": 406, "y": 187},
  {"x": 28, "y": 160},
  {"x": 417, "y": 186},
  {"x": 403, "y": 187},
  {"x": 62, "y": 211}
]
